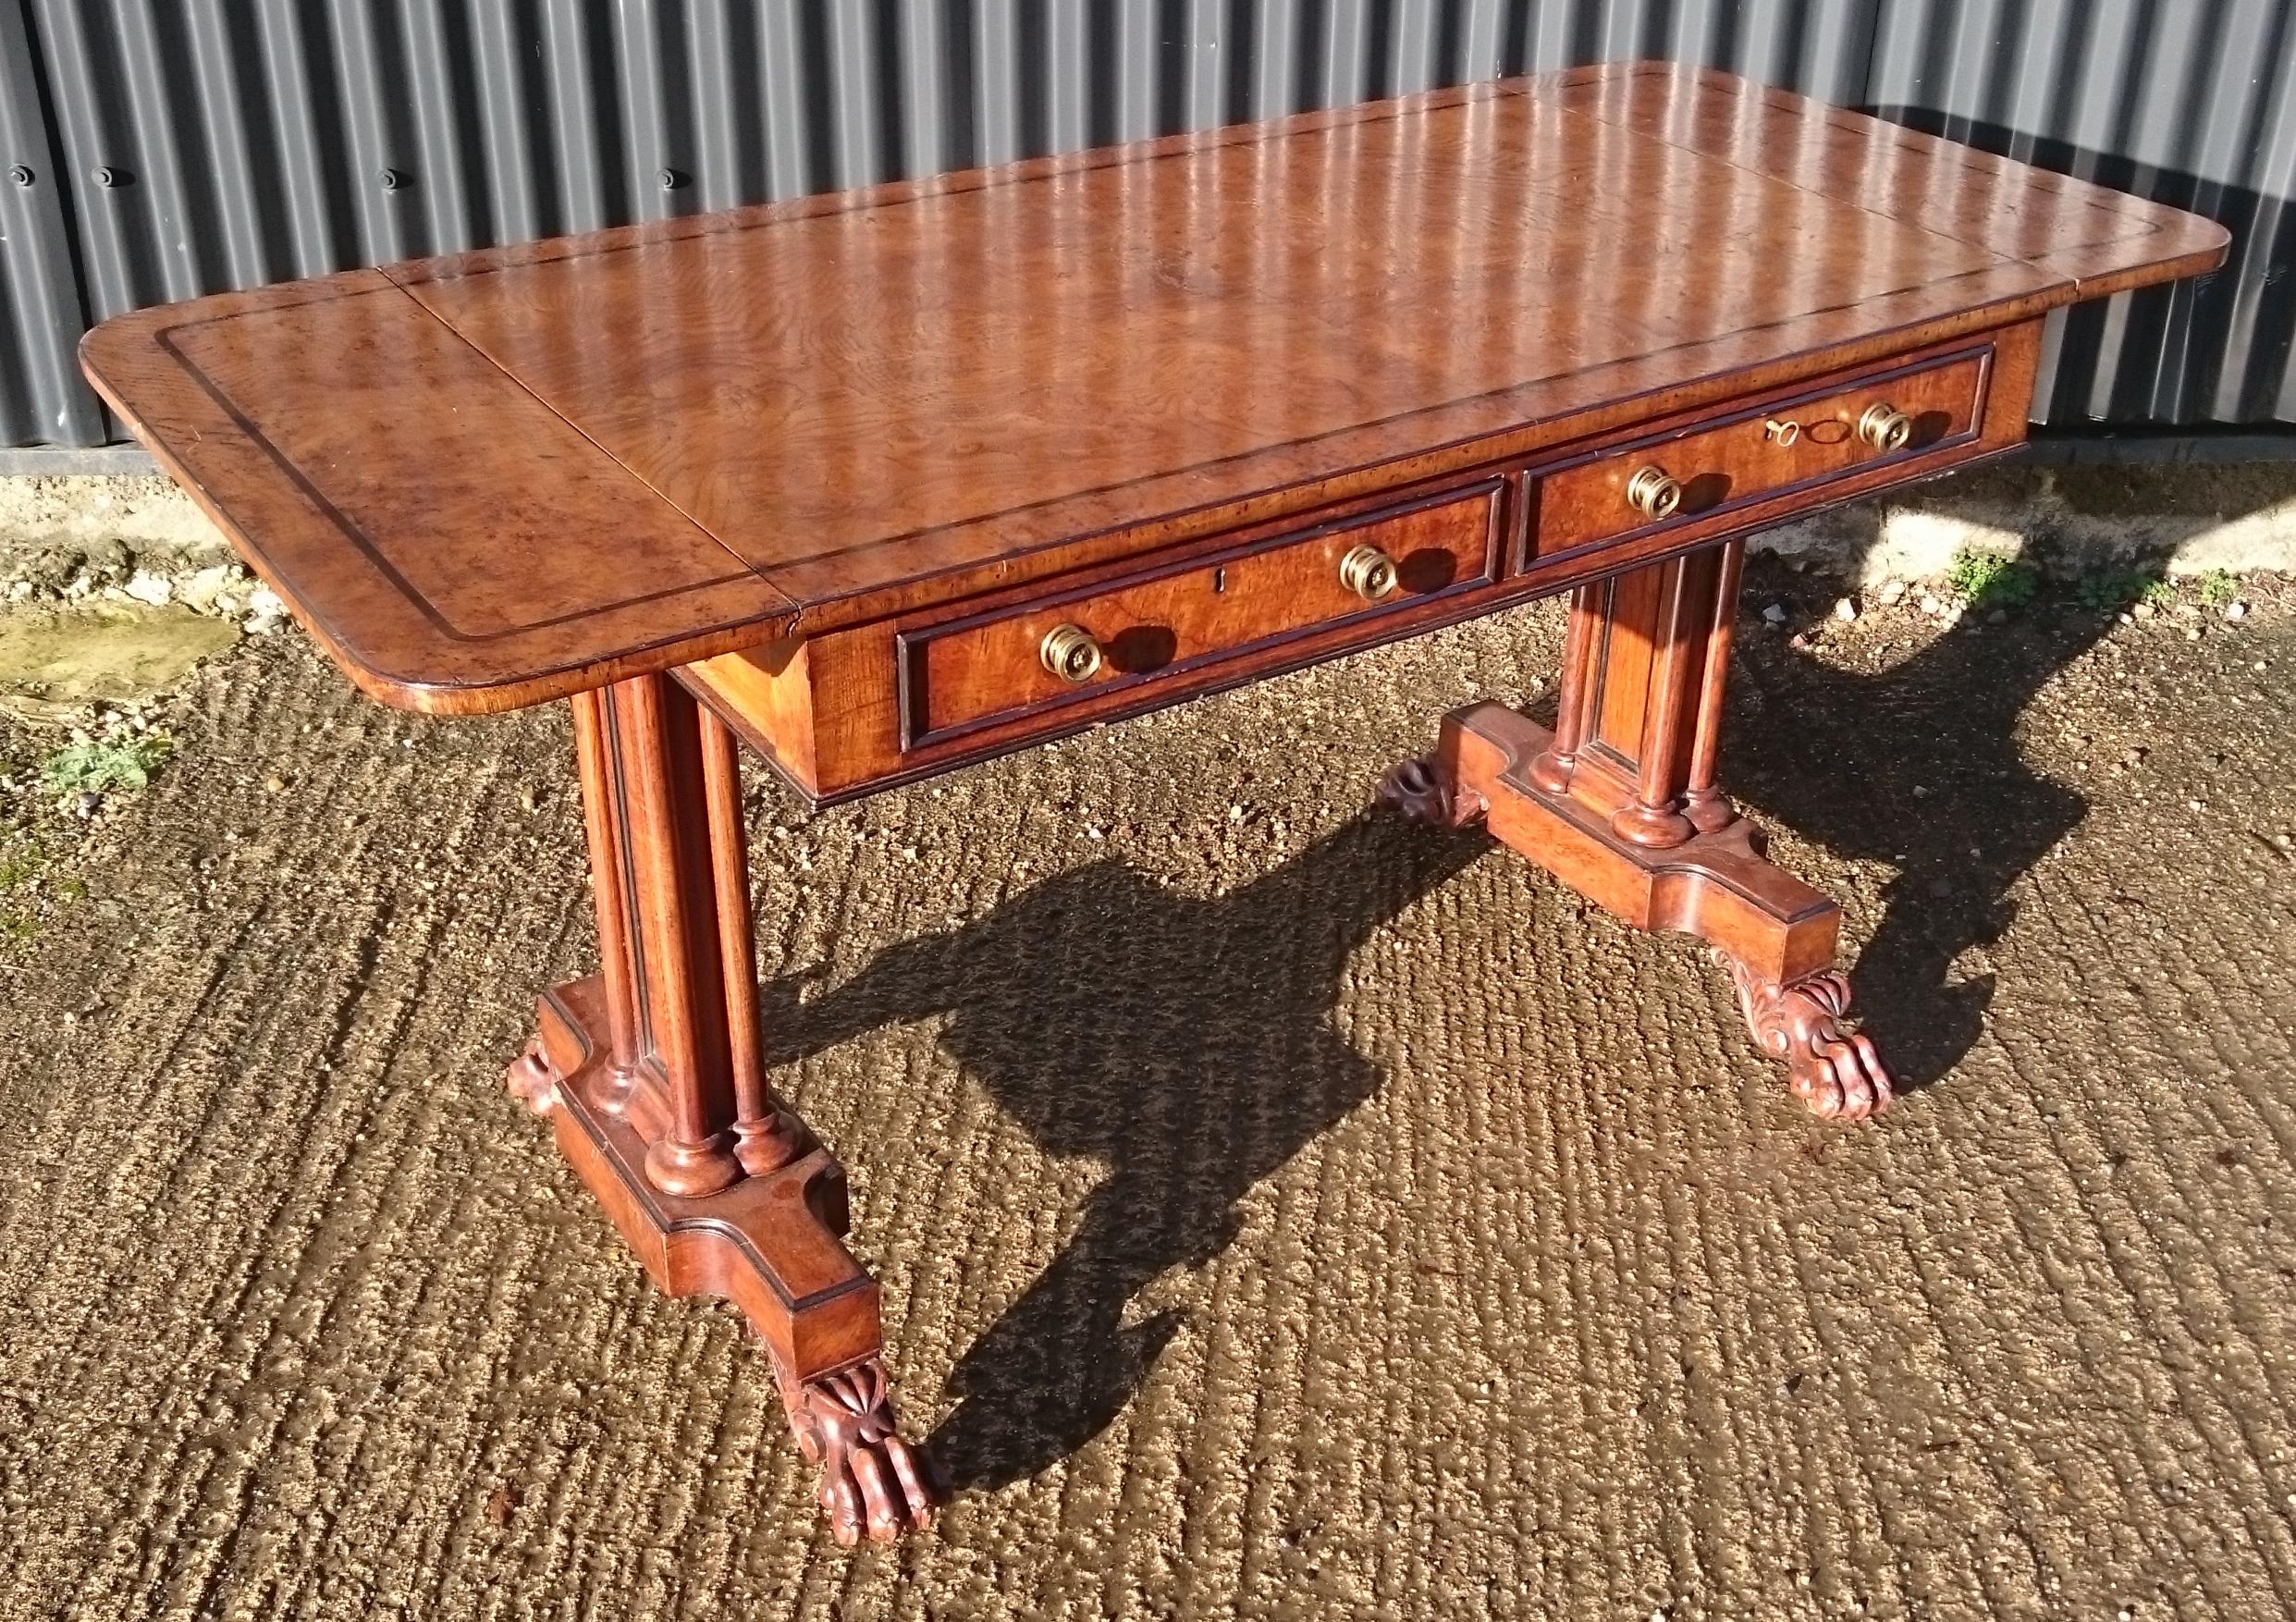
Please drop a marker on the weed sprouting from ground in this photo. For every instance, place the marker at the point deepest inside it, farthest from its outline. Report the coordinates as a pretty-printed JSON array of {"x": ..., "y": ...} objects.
[
  {"x": 94, "y": 766},
  {"x": 1987, "y": 580},
  {"x": 46, "y": 802},
  {"x": 2110, "y": 589}
]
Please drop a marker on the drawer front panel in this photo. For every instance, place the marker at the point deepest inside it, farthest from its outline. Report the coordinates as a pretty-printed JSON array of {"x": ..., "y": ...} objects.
[
  {"x": 1197, "y": 615},
  {"x": 1799, "y": 443}
]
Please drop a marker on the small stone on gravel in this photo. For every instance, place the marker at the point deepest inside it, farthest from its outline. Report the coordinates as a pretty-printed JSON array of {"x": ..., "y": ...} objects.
[
  {"x": 1845, "y": 611},
  {"x": 1775, "y": 614}
]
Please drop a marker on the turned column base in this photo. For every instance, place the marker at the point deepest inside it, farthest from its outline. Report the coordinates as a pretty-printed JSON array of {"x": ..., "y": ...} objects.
[
  {"x": 770, "y": 1242},
  {"x": 1777, "y": 934}
]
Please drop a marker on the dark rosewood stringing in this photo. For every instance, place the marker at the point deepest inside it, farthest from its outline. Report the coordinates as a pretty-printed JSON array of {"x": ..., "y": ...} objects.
[{"x": 890, "y": 481}]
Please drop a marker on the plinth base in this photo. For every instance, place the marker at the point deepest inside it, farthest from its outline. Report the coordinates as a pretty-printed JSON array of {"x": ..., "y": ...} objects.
[
  {"x": 1777, "y": 933},
  {"x": 771, "y": 1244}
]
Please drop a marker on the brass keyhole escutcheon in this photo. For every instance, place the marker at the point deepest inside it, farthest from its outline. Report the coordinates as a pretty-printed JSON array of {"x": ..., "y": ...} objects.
[
  {"x": 1070, "y": 653},
  {"x": 1885, "y": 427},
  {"x": 1782, "y": 432},
  {"x": 1653, "y": 493},
  {"x": 1367, "y": 571}
]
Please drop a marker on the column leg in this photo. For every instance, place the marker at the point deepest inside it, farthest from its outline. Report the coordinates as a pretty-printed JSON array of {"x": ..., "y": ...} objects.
[
  {"x": 1703, "y": 802},
  {"x": 1581, "y": 640},
  {"x": 661, "y": 802},
  {"x": 1621, "y": 803},
  {"x": 764, "y": 1137},
  {"x": 653, "y": 1075}
]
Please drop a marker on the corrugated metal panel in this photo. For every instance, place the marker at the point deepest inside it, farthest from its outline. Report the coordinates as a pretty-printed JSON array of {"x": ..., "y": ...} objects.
[
  {"x": 42, "y": 398},
  {"x": 2191, "y": 102},
  {"x": 214, "y": 143}
]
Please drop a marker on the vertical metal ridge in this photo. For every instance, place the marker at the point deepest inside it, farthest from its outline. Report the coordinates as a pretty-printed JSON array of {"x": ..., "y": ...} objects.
[
  {"x": 43, "y": 307},
  {"x": 182, "y": 146}
]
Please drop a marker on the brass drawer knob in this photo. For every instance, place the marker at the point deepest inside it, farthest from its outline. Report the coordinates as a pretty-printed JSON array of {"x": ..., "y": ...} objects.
[
  {"x": 1070, "y": 653},
  {"x": 1653, "y": 493},
  {"x": 1885, "y": 427},
  {"x": 1367, "y": 571}
]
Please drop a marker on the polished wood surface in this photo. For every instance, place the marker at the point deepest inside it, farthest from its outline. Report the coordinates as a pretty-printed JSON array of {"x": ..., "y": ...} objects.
[
  {"x": 807, "y": 415},
  {"x": 832, "y": 477},
  {"x": 438, "y": 528},
  {"x": 1793, "y": 443},
  {"x": 653, "y": 1073},
  {"x": 851, "y": 710},
  {"x": 986, "y": 668}
]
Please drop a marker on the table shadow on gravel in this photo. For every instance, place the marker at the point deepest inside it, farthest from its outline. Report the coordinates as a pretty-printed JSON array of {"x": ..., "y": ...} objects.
[
  {"x": 1917, "y": 765},
  {"x": 1184, "y": 1043}
]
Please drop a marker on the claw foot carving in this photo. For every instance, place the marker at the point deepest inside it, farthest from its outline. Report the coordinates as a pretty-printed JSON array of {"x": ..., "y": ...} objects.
[
  {"x": 1833, "y": 1069},
  {"x": 530, "y": 1080},
  {"x": 873, "y": 1483},
  {"x": 1423, "y": 792}
]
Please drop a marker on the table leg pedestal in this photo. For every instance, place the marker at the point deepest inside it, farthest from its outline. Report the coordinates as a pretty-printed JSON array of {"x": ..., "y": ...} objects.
[
  {"x": 652, "y": 1075},
  {"x": 1620, "y": 802}
]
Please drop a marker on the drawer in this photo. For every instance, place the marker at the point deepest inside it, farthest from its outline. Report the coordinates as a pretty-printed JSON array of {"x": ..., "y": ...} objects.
[
  {"x": 1782, "y": 447},
  {"x": 1209, "y": 615}
]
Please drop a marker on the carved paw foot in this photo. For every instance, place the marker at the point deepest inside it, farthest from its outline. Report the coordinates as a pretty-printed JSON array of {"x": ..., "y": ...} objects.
[
  {"x": 530, "y": 1080},
  {"x": 1833, "y": 1069},
  {"x": 1424, "y": 793},
  {"x": 873, "y": 1483}
]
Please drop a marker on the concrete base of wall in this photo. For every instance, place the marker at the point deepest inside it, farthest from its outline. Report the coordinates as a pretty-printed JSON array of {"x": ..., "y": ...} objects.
[
  {"x": 2182, "y": 518},
  {"x": 54, "y": 527}
]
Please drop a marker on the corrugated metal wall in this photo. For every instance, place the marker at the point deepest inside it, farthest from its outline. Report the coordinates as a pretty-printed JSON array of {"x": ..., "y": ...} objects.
[{"x": 163, "y": 148}]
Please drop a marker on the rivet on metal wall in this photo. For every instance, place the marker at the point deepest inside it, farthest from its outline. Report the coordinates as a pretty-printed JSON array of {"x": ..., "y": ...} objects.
[
  {"x": 389, "y": 179},
  {"x": 108, "y": 176},
  {"x": 20, "y": 174},
  {"x": 672, "y": 178}
]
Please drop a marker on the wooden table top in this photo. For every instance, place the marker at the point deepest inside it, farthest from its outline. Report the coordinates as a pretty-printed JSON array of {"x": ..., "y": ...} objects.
[{"x": 494, "y": 478}]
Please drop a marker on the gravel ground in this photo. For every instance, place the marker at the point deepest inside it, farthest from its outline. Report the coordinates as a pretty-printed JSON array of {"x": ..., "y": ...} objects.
[{"x": 1282, "y": 1212}]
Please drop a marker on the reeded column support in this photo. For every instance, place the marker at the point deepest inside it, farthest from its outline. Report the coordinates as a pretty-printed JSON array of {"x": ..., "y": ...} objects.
[
  {"x": 1645, "y": 662},
  {"x": 654, "y": 1076},
  {"x": 765, "y": 1139},
  {"x": 679, "y": 1040},
  {"x": 1661, "y": 640},
  {"x": 1552, "y": 771},
  {"x": 662, "y": 803},
  {"x": 1703, "y": 802}
]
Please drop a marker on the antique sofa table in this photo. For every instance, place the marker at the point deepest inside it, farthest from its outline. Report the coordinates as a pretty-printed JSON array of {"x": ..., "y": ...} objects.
[{"x": 887, "y": 482}]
